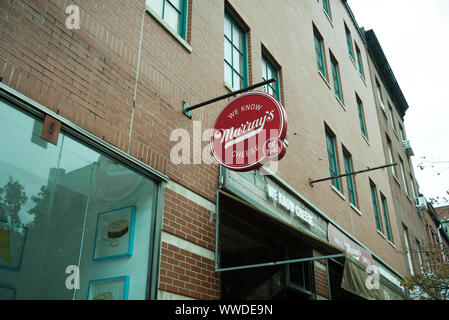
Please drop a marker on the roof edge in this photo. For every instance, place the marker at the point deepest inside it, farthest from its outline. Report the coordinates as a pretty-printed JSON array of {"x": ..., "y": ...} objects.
[{"x": 386, "y": 73}]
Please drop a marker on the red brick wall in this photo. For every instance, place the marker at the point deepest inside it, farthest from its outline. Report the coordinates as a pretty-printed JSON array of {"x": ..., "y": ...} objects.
[
  {"x": 321, "y": 282},
  {"x": 188, "y": 220},
  {"x": 88, "y": 75},
  {"x": 181, "y": 271},
  {"x": 188, "y": 274}
]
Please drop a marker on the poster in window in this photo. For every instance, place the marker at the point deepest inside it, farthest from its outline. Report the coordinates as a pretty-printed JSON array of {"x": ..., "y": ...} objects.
[
  {"x": 12, "y": 243},
  {"x": 109, "y": 289},
  {"x": 114, "y": 234}
]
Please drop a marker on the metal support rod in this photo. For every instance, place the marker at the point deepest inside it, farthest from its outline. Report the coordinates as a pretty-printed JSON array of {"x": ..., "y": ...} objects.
[
  {"x": 188, "y": 108},
  {"x": 279, "y": 263},
  {"x": 311, "y": 182}
]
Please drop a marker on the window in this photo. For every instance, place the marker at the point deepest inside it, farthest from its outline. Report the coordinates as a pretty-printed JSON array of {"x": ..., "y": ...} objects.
[
  {"x": 319, "y": 52},
  {"x": 418, "y": 248},
  {"x": 376, "y": 207},
  {"x": 412, "y": 185},
  {"x": 401, "y": 132},
  {"x": 173, "y": 12},
  {"x": 234, "y": 54},
  {"x": 336, "y": 78},
  {"x": 349, "y": 42},
  {"x": 326, "y": 8},
  {"x": 332, "y": 155},
  {"x": 379, "y": 96},
  {"x": 386, "y": 217},
  {"x": 75, "y": 206},
  {"x": 404, "y": 180},
  {"x": 347, "y": 159},
  {"x": 393, "y": 124},
  {"x": 269, "y": 71},
  {"x": 359, "y": 61},
  {"x": 407, "y": 248},
  {"x": 361, "y": 116},
  {"x": 390, "y": 156}
]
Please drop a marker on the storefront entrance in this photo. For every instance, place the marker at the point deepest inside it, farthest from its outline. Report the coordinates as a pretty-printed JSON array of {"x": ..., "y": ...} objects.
[{"x": 247, "y": 238}]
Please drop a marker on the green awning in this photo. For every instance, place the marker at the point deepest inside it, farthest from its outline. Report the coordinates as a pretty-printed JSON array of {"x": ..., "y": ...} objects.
[{"x": 355, "y": 279}]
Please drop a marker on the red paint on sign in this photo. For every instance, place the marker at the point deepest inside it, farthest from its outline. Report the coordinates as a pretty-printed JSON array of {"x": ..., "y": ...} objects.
[{"x": 249, "y": 131}]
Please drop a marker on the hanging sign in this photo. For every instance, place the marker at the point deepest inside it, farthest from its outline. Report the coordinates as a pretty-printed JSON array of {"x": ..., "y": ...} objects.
[{"x": 249, "y": 131}]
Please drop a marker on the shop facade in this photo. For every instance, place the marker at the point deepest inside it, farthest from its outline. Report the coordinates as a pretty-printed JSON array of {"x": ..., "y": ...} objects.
[
  {"x": 80, "y": 206},
  {"x": 107, "y": 202},
  {"x": 272, "y": 243}
]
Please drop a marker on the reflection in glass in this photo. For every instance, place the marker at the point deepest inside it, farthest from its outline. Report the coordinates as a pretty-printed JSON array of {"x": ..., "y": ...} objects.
[{"x": 50, "y": 200}]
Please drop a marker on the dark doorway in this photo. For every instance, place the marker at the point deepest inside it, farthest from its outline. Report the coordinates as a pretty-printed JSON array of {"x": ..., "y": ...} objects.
[{"x": 248, "y": 237}]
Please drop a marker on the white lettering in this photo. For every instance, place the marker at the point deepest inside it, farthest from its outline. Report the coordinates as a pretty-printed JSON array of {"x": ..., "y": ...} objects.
[
  {"x": 73, "y": 280},
  {"x": 180, "y": 153},
  {"x": 73, "y": 20},
  {"x": 294, "y": 209},
  {"x": 186, "y": 310},
  {"x": 372, "y": 281}
]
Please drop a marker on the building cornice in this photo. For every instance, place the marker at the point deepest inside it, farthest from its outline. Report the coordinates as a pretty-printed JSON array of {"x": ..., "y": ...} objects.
[{"x": 386, "y": 73}]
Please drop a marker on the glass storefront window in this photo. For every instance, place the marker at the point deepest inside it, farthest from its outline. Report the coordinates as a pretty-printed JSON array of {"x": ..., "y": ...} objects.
[{"x": 67, "y": 207}]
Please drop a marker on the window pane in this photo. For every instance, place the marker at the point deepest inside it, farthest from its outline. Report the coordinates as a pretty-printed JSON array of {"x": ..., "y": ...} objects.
[
  {"x": 264, "y": 70},
  {"x": 227, "y": 74},
  {"x": 333, "y": 169},
  {"x": 237, "y": 61},
  {"x": 238, "y": 64},
  {"x": 349, "y": 179},
  {"x": 337, "y": 88},
  {"x": 237, "y": 37},
  {"x": 228, "y": 51},
  {"x": 326, "y": 6},
  {"x": 404, "y": 179},
  {"x": 361, "y": 117},
  {"x": 171, "y": 17},
  {"x": 376, "y": 208},
  {"x": 409, "y": 256},
  {"x": 227, "y": 28},
  {"x": 412, "y": 185},
  {"x": 319, "y": 55},
  {"x": 390, "y": 157},
  {"x": 359, "y": 60},
  {"x": 157, "y": 5},
  {"x": 238, "y": 83},
  {"x": 386, "y": 218},
  {"x": 176, "y": 4},
  {"x": 349, "y": 42},
  {"x": 270, "y": 73}
]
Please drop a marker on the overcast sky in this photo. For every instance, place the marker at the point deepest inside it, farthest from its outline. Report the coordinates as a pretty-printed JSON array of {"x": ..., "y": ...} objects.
[{"x": 414, "y": 35}]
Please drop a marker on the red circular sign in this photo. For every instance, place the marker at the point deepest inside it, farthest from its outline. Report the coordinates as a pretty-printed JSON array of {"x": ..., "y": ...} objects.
[{"x": 249, "y": 131}]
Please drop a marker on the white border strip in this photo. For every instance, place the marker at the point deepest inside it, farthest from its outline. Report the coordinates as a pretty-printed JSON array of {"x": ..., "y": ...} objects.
[
  {"x": 187, "y": 245},
  {"x": 190, "y": 195}
]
